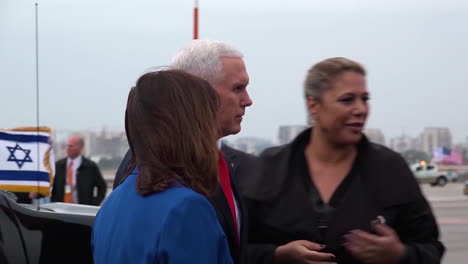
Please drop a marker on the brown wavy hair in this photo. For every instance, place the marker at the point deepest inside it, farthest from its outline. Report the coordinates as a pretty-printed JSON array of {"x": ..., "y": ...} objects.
[{"x": 171, "y": 128}]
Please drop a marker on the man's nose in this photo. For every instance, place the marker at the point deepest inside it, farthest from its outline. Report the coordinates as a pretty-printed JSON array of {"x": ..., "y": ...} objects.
[{"x": 246, "y": 101}]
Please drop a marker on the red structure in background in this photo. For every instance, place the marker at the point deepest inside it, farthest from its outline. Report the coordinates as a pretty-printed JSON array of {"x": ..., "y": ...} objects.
[{"x": 195, "y": 20}]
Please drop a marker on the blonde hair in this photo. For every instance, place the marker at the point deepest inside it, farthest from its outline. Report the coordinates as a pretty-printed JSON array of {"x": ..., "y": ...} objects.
[{"x": 321, "y": 75}]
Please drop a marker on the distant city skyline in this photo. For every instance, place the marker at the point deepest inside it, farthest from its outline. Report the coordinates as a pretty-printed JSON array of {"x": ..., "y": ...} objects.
[
  {"x": 107, "y": 146},
  {"x": 287, "y": 131},
  {"x": 274, "y": 138}
]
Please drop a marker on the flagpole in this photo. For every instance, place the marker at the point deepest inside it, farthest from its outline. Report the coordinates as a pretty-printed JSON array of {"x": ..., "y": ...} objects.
[
  {"x": 37, "y": 94},
  {"x": 195, "y": 20}
]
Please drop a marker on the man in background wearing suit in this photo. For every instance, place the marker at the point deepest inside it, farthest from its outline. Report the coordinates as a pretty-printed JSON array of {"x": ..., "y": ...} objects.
[
  {"x": 223, "y": 67},
  {"x": 76, "y": 177}
]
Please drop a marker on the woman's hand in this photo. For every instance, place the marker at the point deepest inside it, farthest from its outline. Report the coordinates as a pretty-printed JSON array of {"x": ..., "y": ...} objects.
[
  {"x": 302, "y": 251},
  {"x": 383, "y": 248}
]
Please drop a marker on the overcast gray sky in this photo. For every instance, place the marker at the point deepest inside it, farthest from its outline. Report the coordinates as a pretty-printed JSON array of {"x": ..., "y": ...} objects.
[{"x": 91, "y": 52}]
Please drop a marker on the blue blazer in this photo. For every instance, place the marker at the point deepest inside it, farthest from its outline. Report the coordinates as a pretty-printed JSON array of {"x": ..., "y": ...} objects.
[
  {"x": 175, "y": 226},
  {"x": 241, "y": 167}
]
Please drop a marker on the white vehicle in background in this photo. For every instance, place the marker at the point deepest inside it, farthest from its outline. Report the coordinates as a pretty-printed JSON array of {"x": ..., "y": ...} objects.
[
  {"x": 429, "y": 173},
  {"x": 452, "y": 176}
]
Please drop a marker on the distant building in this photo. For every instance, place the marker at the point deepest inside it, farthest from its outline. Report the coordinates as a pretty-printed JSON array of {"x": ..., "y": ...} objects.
[
  {"x": 250, "y": 145},
  {"x": 288, "y": 133},
  {"x": 463, "y": 149},
  {"x": 404, "y": 143},
  {"x": 435, "y": 137},
  {"x": 375, "y": 135},
  {"x": 105, "y": 143}
]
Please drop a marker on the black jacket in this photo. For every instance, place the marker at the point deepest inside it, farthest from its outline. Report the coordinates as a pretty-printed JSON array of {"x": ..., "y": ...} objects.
[
  {"x": 239, "y": 164},
  {"x": 280, "y": 210},
  {"x": 88, "y": 177}
]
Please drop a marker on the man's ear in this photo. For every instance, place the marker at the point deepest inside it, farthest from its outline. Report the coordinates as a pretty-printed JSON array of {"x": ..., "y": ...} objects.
[{"x": 312, "y": 106}]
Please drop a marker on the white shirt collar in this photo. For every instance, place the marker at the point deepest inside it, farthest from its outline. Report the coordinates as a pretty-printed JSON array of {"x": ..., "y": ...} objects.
[{"x": 76, "y": 160}]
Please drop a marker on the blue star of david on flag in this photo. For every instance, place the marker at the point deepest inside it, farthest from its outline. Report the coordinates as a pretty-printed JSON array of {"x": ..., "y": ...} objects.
[
  {"x": 26, "y": 160},
  {"x": 13, "y": 157}
]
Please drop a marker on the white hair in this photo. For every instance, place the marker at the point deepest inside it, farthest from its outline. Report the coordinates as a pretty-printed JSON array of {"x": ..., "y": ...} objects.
[{"x": 203, "y": 58}]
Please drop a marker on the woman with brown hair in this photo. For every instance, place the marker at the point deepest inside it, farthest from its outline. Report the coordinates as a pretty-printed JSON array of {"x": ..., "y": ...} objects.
[
  {"x": 160, "y": 213},
  {"x": 331, "y": 196}
]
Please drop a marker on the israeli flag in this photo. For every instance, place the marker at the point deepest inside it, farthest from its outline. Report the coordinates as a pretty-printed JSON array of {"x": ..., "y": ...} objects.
[{"x": 26, "y": 160}]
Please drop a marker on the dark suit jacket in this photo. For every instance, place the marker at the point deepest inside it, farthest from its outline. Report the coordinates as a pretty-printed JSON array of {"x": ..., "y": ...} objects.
[
  {"x": 280, "y": 210},
  {"x": 239, "y": 164},
  {"x": 88, "y": 177},
  {"x": 120, "y": 175}
]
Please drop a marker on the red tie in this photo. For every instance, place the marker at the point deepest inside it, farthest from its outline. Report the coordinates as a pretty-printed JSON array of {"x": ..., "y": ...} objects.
[
  {"x": 226, "y": 185},
  {"x": 68, "y": 197}
]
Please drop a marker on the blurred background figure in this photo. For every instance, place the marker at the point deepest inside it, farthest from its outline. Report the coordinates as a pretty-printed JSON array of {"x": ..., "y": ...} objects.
[
  {"x": 78, "y": 179},
  {"x": 161, "y": 212},
  {"x": 333, "y": 196}
]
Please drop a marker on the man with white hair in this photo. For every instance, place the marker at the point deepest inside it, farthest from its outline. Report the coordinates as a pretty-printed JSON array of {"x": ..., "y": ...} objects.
[{"x": 223, "y": 67}]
